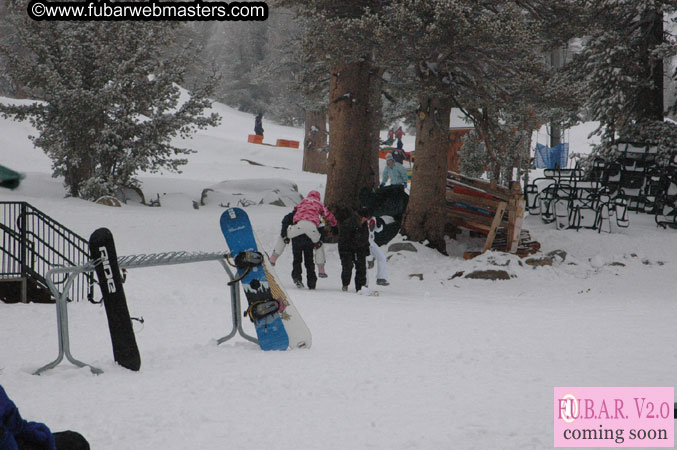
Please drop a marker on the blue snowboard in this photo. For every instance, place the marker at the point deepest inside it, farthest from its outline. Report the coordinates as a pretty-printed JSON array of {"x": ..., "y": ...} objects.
[{"x": 239, "y": 236}]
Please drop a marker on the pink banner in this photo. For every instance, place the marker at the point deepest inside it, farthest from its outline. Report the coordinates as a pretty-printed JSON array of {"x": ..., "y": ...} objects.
[{"x": 614, "y": 417}]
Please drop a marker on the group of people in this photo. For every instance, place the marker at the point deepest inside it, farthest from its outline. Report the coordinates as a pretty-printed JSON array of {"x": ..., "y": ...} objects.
[
  {"x": 394, "y": 134},
  {"x": 303, "y": 228},
  {"x": 394, "y": 170}
]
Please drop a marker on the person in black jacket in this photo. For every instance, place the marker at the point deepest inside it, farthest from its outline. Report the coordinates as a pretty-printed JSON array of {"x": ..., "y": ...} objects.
[
  {"x": 19, "y": 434},
  {"x": 353, "y": 247},
  {"x": 399, "y": 155},
  {"x": 258, "y": 125}
]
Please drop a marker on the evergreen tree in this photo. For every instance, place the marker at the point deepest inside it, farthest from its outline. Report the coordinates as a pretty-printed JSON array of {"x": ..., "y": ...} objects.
[
  {"x": 473, "y": 155},
  {"x": 258, "y": 64},
  {"x": 111, "y": 104},
  {"x": 620, "y": 71},
  {"x": 340, "y": 33},
  {"x": 479, "y": 56},
  {"x": 242, "y": 51}
]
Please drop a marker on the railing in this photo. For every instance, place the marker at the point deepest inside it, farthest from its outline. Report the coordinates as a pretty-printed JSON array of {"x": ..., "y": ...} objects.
[
  {"x": 131, "y": 262},
  {"x": 32, "y": 243}
]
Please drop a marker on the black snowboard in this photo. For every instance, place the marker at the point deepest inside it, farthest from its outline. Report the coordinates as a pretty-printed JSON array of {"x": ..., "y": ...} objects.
[{"x": 125, "y": 351}]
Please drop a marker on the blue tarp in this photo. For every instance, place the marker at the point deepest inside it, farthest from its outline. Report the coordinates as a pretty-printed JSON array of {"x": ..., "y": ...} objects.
[{"x": 556, "y": 157}]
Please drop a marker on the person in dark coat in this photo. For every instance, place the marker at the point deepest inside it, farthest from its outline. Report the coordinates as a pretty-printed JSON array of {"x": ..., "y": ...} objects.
[
  {"x": 302, "y": 249},
  {"x": 19, "y": 434},
  {"x": 258, "y": 125},
  {"x": 399, "y": 155},
  {"x": 353, "y": 247}
]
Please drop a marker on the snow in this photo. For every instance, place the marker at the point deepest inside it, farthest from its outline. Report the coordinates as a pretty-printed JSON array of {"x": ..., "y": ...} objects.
[{"x": 431, "y": 363}]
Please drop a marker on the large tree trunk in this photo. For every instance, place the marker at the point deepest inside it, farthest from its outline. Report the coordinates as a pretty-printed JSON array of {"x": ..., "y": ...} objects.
[
  {"x": 650, "y": 99},
  {"x": 315, "y": 144},
  {"x": 556, "y": 62},
  {"x": 425, "y": 217},
  {"x": 353, "y": 151},
  {"x": 376, "y": 119},
  {"x": 78, "y": 170}
]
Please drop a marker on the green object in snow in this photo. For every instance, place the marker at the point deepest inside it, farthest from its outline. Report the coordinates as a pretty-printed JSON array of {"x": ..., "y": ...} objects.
[{"x": 9, "y": 179}]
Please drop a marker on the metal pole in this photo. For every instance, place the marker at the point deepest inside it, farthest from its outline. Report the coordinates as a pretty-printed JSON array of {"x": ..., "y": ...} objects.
[
  {"x": 236, "y": 309},
  {"x": 62, "y": 317},
  {"x": 23, "y": 252}
]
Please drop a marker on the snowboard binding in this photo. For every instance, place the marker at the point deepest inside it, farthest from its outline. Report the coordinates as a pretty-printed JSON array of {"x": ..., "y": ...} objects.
[
  {"x": 245, "y": 261},
  {"x": 262, "y": 308}
]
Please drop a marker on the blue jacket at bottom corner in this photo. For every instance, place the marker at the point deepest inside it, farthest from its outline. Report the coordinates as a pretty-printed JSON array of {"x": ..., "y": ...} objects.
[{"x": 13, "y": 426}]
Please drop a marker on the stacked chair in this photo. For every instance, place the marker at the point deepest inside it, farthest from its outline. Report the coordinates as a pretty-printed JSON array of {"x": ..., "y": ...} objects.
[
  {"x": 665, "y": 200},
  {"x": 572, "y": 200},
  {"x": 632, "y": 173},
  {"x": 638, "y": 179}
]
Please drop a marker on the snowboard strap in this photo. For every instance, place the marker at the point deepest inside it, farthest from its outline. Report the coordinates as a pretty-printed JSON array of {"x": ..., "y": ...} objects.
[
  {"x": 245, "y": 260},
  {"x": 262, "y": 308},
  {"x": 248, "y": 259}
]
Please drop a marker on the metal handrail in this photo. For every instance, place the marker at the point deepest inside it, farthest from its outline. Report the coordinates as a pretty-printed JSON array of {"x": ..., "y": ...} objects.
[{"x": 33, "y": 242}]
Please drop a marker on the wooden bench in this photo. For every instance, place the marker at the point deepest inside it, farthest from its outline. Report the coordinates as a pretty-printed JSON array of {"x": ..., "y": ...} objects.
[{"x": 483, "y": 206}]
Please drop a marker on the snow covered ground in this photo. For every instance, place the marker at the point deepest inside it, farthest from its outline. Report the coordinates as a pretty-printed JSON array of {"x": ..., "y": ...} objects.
[{"x": 432, "y": 363}]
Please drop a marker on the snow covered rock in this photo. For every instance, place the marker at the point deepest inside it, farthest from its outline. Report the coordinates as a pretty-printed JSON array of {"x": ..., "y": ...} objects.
[
  {"x": 230, "y": 193},
  {"x": 489, "y": 275},
  {"x": 402, "y": 247},
  {"x": 109, "y": 200}
]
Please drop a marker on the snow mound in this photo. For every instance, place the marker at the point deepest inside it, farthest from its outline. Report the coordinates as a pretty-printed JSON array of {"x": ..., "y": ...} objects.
[
  {"x": 179, "y": 201},
  {"x": 274, "y": 191}
]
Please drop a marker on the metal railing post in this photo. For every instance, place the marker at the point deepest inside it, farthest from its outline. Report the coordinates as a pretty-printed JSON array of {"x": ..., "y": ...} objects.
[
  {"x": 62, "y": 317},
  {"x": 38, "y": 245},
  {"x": 236, "y": 309},
  {"x": 23, "y": 251}
]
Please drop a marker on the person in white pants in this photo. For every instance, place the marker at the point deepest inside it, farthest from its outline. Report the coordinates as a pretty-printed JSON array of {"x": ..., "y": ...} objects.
[
  {"x": 376, "y": 252},
  {"x": 299, "y": 228},
  {"x": 306, "y": 219}
]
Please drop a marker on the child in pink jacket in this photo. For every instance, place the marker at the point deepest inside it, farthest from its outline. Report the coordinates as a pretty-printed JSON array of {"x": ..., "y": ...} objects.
[{"x": 307, "y": 216}]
